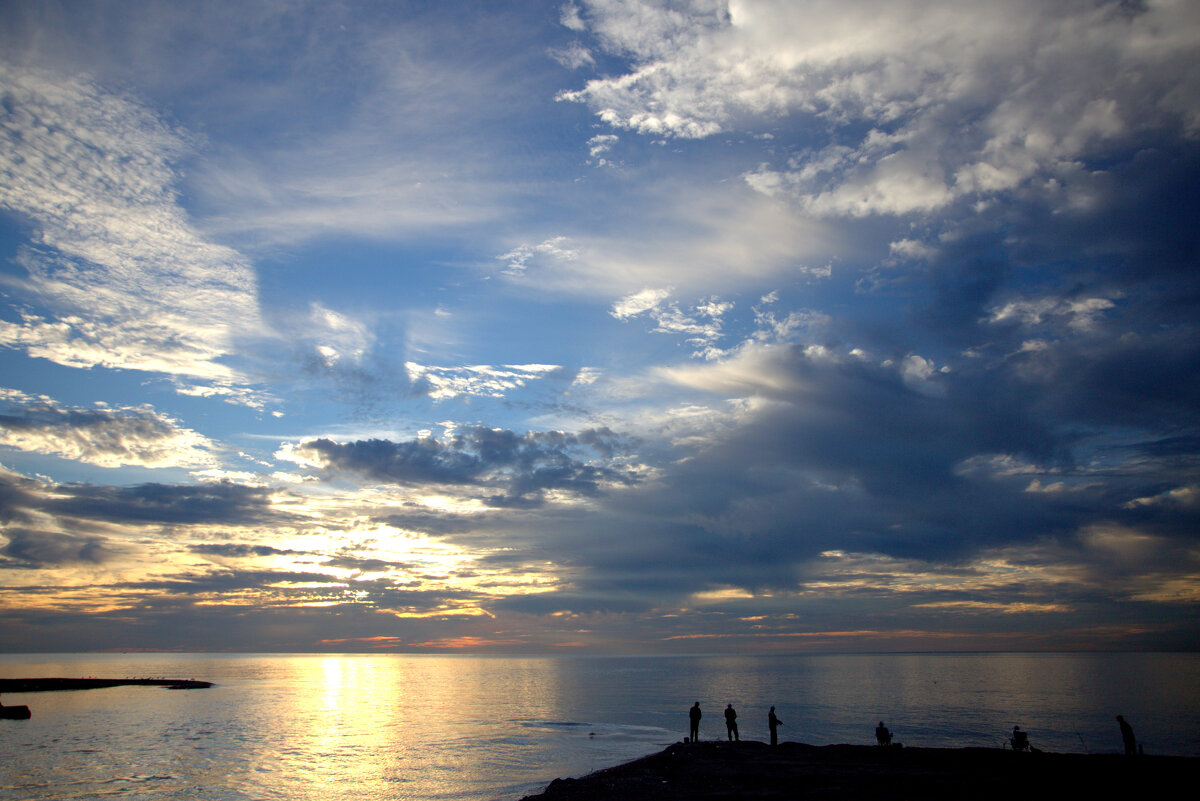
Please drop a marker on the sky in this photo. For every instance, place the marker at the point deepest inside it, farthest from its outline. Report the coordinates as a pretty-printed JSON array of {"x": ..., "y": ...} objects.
[{"x": 600, "y": 326}]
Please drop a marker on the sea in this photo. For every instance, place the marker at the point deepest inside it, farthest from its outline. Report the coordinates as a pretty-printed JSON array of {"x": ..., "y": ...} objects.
[{"x": 353, "y": 727}]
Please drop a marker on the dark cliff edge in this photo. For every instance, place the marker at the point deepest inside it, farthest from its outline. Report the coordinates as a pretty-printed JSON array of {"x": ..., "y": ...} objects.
[{"x": 754, "y": 771}]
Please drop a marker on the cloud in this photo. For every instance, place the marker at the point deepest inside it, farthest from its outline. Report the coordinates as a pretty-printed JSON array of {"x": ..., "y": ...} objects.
[
  {"x": 600, "y": 144},
  {"x": 1079, "y": 313},
  {"x": 443, "y": 383},
  {"x": 554, "y": 250},
  {"x": 569, "y": 17},
  {"x": 701, "y": 324},
  {"x": 416, "y": 143},
  {"x": 573, "y": 56},
  {"x": 639, "y": 303},
  {"x": 214, "y": 504},
  {"x": 337, "y": 338},
  {"x": 31, "y": 548},
  {"x": 235, "y": 549},
  {"x": 919, "y": 280},
  {"x": 107, "y": 437},
  {"x": 123, "y": 276},
  {"x": 523, "y": 467},
  {"x": 688, "y": 233},
  {"x": 956, "y": 100},
  {"x": 838, "y": 451}
]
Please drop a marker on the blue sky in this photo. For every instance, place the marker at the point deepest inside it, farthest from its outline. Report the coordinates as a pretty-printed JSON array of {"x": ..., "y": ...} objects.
[{"x": 614, "y": 326}]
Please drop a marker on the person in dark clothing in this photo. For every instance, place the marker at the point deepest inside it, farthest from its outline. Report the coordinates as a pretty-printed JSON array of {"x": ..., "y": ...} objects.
[
  {"x": 1127, "y": 737},
  {"x": 1019, "y": 740},
  {"x": 694, "y": 717},
  {"x": 731, "y": 723},
  {"x": 773, "y": 723},
  {"x": 882, "y": 735}
]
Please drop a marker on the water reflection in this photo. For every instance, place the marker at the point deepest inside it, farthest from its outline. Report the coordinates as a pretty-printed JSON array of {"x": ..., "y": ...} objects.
[{"x": 442, "y": 727}]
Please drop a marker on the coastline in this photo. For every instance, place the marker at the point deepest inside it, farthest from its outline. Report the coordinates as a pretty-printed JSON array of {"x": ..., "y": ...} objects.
[
  {"x": 44, "y": 685},
  {"x": 754, "y": 771}
]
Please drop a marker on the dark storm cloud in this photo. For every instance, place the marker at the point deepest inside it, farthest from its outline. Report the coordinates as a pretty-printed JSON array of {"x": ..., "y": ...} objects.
[
  {"x": 241, "y": 551},
  {"x": 1070, "y": 395},
  {"x": 17, "y": 496},
  {"x": 577, "y": 603},
  {"x": 32, "y": 548},
  {"x": 218, "y": 504},
  {"x": 856, "y": 455},
  {"x": 421, "y": 519},
  {"x": 522, "y": 465},
  {"x": 229, "y": 581}
]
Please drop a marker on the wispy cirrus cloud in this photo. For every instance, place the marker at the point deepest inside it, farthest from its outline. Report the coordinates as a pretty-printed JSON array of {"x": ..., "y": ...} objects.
[
  {"x": 480, "y": 380},
  {"x": 119, "y": 276}
]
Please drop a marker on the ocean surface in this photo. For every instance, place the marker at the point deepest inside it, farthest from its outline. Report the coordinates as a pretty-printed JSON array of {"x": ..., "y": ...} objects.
[{"x": 364, "y": 727}]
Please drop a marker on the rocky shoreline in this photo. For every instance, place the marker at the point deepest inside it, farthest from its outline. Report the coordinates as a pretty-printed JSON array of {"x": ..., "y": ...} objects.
[
  {"x": 43, "y": 685},
  {"x": 754, "y": 771}
]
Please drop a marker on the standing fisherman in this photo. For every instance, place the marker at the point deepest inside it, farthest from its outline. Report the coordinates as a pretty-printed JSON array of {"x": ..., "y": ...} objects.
[
  {"x": 694, "y": 717},
  {"x": 773, "y": 723},
  {"x": 1127, "y": 737}
]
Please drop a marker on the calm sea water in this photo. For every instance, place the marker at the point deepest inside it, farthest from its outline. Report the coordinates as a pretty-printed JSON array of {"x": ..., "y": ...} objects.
[{"x": 332, "y": 727}]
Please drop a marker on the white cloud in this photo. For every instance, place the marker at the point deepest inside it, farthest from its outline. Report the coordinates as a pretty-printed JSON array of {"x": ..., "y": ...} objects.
[
  {"x": 1080, "y": 314},
  {"x": 753, "y": 369},
  {"x": 569, "y": 17},
  {"x": 336, "y": 337},
  {"x": 599, "y": 145},
  {"x": 919, "y": 373},
  {"x": 573, "y": 56},
  {"x": 106, "y": 437},
  {"x": 904, "y": 249},
  {"x": 587, "y": 376},
  {"x": 959, "y": 98},
  {"x": 701, "y": 324},
  {"x": 125, "y": 277},
  {"x": 639, "y": 303},
  {"x": 551, "y": 251},
  {"x": 443, "y": 383},
  {"x": 772, "y": 329}
]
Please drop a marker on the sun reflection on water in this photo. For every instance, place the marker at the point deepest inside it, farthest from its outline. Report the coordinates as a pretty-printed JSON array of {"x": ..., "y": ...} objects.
[{"x": 454, "y": 728}]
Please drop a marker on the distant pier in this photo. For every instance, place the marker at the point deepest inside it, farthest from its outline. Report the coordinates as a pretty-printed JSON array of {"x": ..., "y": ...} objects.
[{"x": 52, "y": 685}]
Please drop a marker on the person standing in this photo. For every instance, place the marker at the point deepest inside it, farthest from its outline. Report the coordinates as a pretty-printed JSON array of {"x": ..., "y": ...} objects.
[
  {"x": 731, "y": 723},
  {"x": 694, "y": 717},
  {"x": 1127, "y": 737},
  {"x": 773, "y": 723}
]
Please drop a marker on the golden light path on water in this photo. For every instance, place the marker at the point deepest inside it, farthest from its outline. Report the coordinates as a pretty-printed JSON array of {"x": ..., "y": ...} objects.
[{"x": 344, "y": 727}]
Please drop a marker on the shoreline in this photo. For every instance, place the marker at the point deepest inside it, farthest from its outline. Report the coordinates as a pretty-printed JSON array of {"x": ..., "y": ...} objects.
[
  {"x": 755, "y": 771},
  {"x": 43, "y": 685}
]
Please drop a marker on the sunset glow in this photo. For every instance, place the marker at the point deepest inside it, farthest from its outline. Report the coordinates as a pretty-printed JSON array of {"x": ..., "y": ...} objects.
[{"x": 610, "y": 326}]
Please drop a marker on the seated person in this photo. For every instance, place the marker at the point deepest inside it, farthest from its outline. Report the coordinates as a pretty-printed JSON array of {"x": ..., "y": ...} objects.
[
  {"x": 882, "y": 735},
  {"x": 1020, "y": 740}
]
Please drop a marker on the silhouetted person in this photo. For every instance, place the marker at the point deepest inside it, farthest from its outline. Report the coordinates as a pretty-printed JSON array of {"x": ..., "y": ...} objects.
[
  {"x": 731, "y": 723},
  {"x": 773, "y": 723},
  {"x": 1127, "y": 737},
  {"x": 882, "y": 735},
  {"x": 694, "y": 717},
  {"x": 1020, "y": 740}
]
